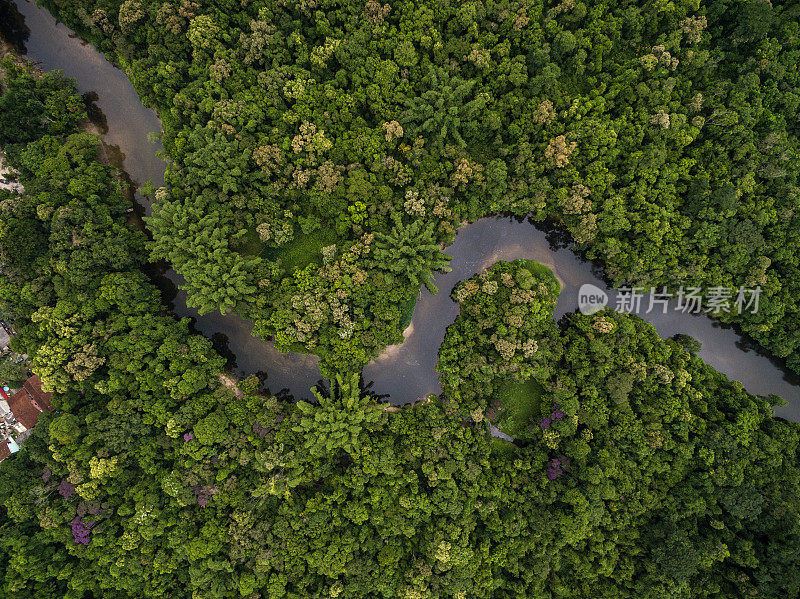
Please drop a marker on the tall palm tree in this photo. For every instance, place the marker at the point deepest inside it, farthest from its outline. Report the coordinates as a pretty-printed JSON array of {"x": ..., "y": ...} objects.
[{"x": 410, "y": 252}]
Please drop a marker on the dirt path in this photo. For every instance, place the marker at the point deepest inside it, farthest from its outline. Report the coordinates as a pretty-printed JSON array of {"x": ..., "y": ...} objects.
[{"x": 230, "y": 383}]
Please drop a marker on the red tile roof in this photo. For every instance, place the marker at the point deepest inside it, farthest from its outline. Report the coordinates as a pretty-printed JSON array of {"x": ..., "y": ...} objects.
[
  {"x": 4, "y": 450},
  {"x": 28, "y": 402}
]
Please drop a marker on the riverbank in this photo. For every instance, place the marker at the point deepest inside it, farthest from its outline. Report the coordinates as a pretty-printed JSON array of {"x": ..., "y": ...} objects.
[{"x": 408, "y": 372}]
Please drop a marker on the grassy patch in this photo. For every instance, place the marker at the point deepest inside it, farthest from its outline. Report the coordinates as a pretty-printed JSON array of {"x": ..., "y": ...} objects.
[
  {"x": 519, "y": 404},
  {"x": 538, "y": 269},
  {"x": 250, "y": 244},
  {"x": 407, "y": 311},
  {"x": 502, "y": 447},
  {"x": 302, "y": 250}
]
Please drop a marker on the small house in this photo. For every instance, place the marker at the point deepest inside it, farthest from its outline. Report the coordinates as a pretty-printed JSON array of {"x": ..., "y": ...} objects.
[{"x": 30, "y": 401}]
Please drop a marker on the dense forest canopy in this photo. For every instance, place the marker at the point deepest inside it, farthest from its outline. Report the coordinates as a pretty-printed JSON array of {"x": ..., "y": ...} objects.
[
  {"x": 637, "y": 472},
  {"x": 662, "y": 135},
  {"x": 321, "y": 153}
]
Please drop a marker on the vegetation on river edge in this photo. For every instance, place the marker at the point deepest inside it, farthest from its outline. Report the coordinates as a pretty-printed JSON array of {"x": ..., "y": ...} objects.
[
  {"x": 640, "y": 472},
  {"x": 662, "y": 135}
]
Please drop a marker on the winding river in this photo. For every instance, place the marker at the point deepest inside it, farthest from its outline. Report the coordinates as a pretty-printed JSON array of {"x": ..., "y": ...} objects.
[{"x": 406, "y": 371}]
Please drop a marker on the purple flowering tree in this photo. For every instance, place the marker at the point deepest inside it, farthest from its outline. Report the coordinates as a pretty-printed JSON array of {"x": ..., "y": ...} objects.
[
  {"x": 557, "y": 467},
  {"x": 260, "y": 429},
  {"x": 66, "y": 489},
  {"x": 557, "y": 415},
  {"x": 494, "y": 408},
  {"x": 204, "y": 494},
  {"x": 81, "y": 529}
]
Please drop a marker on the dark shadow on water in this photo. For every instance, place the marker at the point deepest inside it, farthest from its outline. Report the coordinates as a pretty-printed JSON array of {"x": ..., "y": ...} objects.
[
  {"x": 324, "y": 389},
  {"x": 261, "y": 375},
  {"x": 221, "y": 344},
  {"x": 557, "y": 238},
  {"x": 169, "y": 290},
  {"x": 383, "y": 398},
  {"x": 116, "y": 157},
  {"x": 96, "y": 116},
  {"x": 284, "y": 395},
  {"x": 12, "y": 27},
  {"x": 74, "y": 36}
]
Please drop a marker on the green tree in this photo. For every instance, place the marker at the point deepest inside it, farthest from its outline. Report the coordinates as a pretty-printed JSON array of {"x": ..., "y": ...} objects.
[
  {"x": 340, "y": 421},
  {"x": 447, "y": 111},
  {"x": 410, "y": 252}
]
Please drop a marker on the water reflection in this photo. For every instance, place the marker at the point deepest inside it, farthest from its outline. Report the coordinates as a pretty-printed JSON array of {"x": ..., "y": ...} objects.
[
  {"x": 96, "y": 116},
  {"x": 406, "y": 372},
  {"x": 12, "y": 27}
]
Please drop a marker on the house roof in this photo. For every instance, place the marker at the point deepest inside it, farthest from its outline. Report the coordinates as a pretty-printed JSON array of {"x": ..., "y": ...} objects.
[
  {"x": 4, "y": 450},
  {"x": 28, "y": 402}
]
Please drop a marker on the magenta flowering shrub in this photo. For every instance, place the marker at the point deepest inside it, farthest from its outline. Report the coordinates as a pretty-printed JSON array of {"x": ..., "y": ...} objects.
[
  {"x": 557, "y": 467},
  {"x": 81, "y": 529},
  {"x": 66, "y": 489},
  {"x": 556, "y": 415},
  {"x": 495, "y": 407},
  {"x": 204, "y": 494}
]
